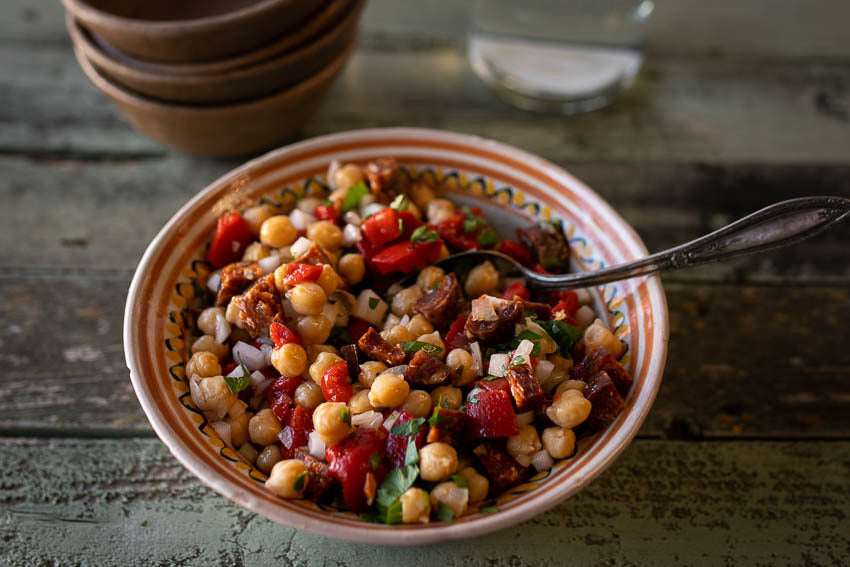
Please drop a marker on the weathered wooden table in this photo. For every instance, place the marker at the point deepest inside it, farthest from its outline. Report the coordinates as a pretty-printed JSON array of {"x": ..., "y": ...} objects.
[{"x": 745, "y": 457}]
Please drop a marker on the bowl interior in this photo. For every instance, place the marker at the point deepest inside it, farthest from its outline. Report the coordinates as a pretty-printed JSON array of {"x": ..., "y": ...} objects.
[{"x": 513, "y": 187}]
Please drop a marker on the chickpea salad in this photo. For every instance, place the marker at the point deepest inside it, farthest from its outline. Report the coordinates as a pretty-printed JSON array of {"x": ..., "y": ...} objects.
[{"x": 403, "y": 404}]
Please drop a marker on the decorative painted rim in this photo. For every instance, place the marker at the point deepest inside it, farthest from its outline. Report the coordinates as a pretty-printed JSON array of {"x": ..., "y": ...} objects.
[{"x": 156, "y": 322}]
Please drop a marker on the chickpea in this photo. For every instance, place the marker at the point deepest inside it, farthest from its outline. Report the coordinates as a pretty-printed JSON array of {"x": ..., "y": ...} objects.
[
  {"x": 449, "y": 494},
  {"x": 596, "y": 335},
  {"x": 569, "y": 408},
  {"x": 307, "y": 298},
  {"x": 323, "y": 361},
  {"x": 255, "y": 217},
  {"x": 421, "y": 194},
  {"x": 415, "y": 506},
  {"x": 347, "y": 176},
  {"x": 397, "y": 334},
  {"x": 203, "y": 365},
  {"x": 460, "y": 365},
  {"x": 329, "y": 421},
  {"x": 402, "y": 303},
  {"x": 326, "y": 234},
  {"x": 263, "y": 428},
  {"x": 239, "y": 428},
  {"x": 447, "y": 396},
  {"x": 255, "y": 251},
  {"x": 483, "y": 278},
  {"x": 419, "y": 325},
  {"x": 277, "y": 232},
  {"x": 268, "y": 458},
  {"x": 248, "y": 452},
  {"x": 290, "y": 360},
  {"x": 570, "y": 385},
  {"x": 439, "y": 210},
  {"x": 207, "y": 343},
  {"x": 231, "y": 314},
  {"x": 388, "y": 391},
  {"x": 313, "y": 329},
  {"x": 437, "y": 461},
  {"x": 524, "y": 444},
  {"x": 212, "y": 395},
  {"x": 430, "y": 277},
  {"x": 479, "y": 486},
  {"x": 313, "y": 351},
  {"x": 369, "y": 371},
  {"x": 352, "y": 268},
  {"x": 207, "y": 319},
  {"x": 328, "y": 280},
  {"x": 286, "y": 476},
  {"x": 308, "y": 395},
  {"x": 417, "y": 403},
  {"x": 559, "y": 442},
  {"x": 434, "y": 339},
  {"x": 359, "y": 402}
]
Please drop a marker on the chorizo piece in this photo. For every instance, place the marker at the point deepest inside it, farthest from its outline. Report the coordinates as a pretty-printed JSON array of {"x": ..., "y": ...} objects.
[
  {"x": 318, "y": 473},
  {"x": 235, "y": 278},
  {"x": 502, "y": 470},
  {"x": 548, "y": 247},
  {"x": 442, "y": 305},
  {"x": 259, "y": 306},
  {"x": 315, "y": 255},
  {"x": 525, "y": 388},
  {"x": 606, "y": 402},
  {"x": 447, "y": 426},
  {"x": 599, "y": 360},
  {"x": 508, "y": 314},
  {"x": 386, "y": 180},
  {"x": 376, "y": 347},
  {"x": 427, "y": 370}
]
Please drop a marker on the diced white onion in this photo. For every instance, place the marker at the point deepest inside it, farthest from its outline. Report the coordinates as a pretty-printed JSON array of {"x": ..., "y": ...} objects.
[
  {"x": 482, "y": 310},
  {"x": 524, "y": 350},
  {"x": 267, "y": 353},
  {"x": 222, "y": 429},
  {"x": 547, "y": 344},
  {"x": 498, "y": 363},
  {"x": 524, "y": 418},
  {"x": 496, "y": 301},
  {"x": 351, "y": 235},
  {"x": 585, "y": 316},
  {"x": 371, "y": 209},
  {"x": 477, "y": 361},
  {"x": 301, "y": 220},
  {"x": 236, "y": 372},
  {"x": 400, "y": 369},
  {"x": 269, "y": 263},
  {"x": 332, "y": 168},
  {"x": 238, "y": 408},
  {"x": 394, "y": 289},
  {"x": 391, "y": 321},
  {"x": 264, "y": 340},
  {"x": 300, "y": 247},
  {"x": 249, "y": 453},
  {"x": 259, "y": 392},
  {"x": 214, "y": 281},
  {"x": 363, "y": 310},
  {"x": 315, "y": 446},
  {"x": 351, "y": 217},
  {"x": 391, "y": 419},
  {"x": 544, "y": 370},
  {"x": 584, "y": 297},
  {"x": 257, "y": 377},
  {"x": 367, "y": 420},
  {"x": 542, "y": 461},
  {"x": 286, "y": 436},
  {"x": 365, "y": 201},
  {"x": 253, "y": 358},
  {"x": 222, "y": 328},
  {"x": 308, "y": 205},
  {"x": 330, "y": 311},
  {"x": 404, "y": 320}
]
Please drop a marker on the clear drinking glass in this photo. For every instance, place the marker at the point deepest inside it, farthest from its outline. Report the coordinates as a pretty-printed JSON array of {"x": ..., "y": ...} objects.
[{"x": 568, "y": 56}]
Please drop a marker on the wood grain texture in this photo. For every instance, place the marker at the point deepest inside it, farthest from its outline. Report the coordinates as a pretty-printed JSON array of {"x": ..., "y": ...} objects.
[
  {"x": 129, "y": 502},
  {"x": 765, "y": 362}
]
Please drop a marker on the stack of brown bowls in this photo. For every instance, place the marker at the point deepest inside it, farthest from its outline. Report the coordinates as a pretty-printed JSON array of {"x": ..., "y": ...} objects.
[{"x": 214, "y": 77}]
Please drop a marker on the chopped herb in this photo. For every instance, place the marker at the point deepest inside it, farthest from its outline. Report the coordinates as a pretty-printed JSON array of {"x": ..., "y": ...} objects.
[
  {"x": 410, "y": 427},
  {"x": 327, "y": 202},
  {"x": 473, "y": 222},
  {"x": 394, "y": 513},
  {"x": 345, "y": 415},
  {"x": 526, "y": 335},
  {"x": 472, "y": 400},
  {"x": 414, "y": 346},
  {"x": 395, "y": 484},
  {"x": 460, "y": 480},
  {"x": 424, "y": 234},
  {"x": 411, "y": 454},
  {"x": 488, "y": 509},
  {"x": 399, "y": 203},
  {"x": 488, "y": 238},
  {"x": 470, "y": 225},
  {"x": 375, "y": 460},
  {"x": 340, "y": 334},
  {"x": 237, "y": 384},
  {"x": 400, "y": 225},
  {"x": 352, "y": 197},
  {"x": 444, "y": 513},
  {"x": 491, "y": 378},
  {"x": 436, "y": 418},
  {"x": 373, "y": 302},
  {"x": 300, "y": 480},
  {"x": 517, "y": 361},
  {"x": 551, "y": 262},
  {"x": 563, "y": 333}
]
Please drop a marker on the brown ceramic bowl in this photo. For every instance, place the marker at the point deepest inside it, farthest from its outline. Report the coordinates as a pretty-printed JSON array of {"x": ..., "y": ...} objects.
[
  {"x": 328, "y": 16},
  {"x": 222, "y": 130},
  {"x": 231, "y": 86},
  {"x": 190, "y": 30}
]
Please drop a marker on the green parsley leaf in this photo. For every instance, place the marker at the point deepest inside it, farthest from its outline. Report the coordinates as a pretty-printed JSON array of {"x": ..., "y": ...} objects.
[
  {"x": 424, "y": 234},
  {"x": 400, "y": 225},
  {"x": 399, "y": 203},
  {"x": 375, "y": 461},
  {"x": 352, "y": 197},
  {"x": 300, "y": 480},
  {"x": 444, "y": 513},
  {"x": 410, "y": 427},
  {"x": 373, "y": 302},
  {"x": 414, "y": 346},
  {"x": 517, "y": 361},
  {"x": 395, "y": 484},
  {"x": 491, "y": 378},
  {"x": 563, "y": 333},
  {"x": 345, "y": 415},
  {"x": 527, "y": 335},
  {"x": 394, "y": 513},
  {"x": 488, "y": 509},
  {"x": 470, "y": 225},
  {"x": 488, "y": 238},
  {"x": 237, "y": 384},
  {"x": 340, "y": 334},
  {"x": 436, "y": 418},
  {"x": 460, "y": 480},
  {"x": 411, "y": 454}
]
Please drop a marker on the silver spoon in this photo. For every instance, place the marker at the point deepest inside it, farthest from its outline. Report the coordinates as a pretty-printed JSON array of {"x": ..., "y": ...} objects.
[{"x": 772, "y": 227}]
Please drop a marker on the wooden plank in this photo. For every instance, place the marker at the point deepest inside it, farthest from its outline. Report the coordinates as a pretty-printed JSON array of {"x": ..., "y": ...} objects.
[
  {"x": 743, "y": 361},
  {"x": 130, "y": 503},
  {"x": 706, "y": 109}
]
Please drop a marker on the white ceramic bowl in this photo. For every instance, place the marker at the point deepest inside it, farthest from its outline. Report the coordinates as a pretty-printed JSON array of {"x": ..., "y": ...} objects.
[{"x": 505, "y": 181}]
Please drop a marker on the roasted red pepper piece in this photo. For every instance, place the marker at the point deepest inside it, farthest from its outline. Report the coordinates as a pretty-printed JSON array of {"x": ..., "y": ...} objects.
[
  {"x": 281, "y": 334},
  {"x": 409, "y": 223},
  {"x": 455, "y": 338},
  {"x": 351, "y": 461},
  {"x": 567, "y": 301},
  {"x": 490, "y": 413},
  {"x": 357, "y": 327},
  {"x": 366, "y": 249},
  {"x": 295, "y": 273},
  {"x": 327, "y": 212},
  {"x": 516, "y": 289},
  {"x": 516, "y": 251},
  {"x": 232, "y": 236},
  {"x": 382, "y": 227},
  {"x": 405, "y": 257},
  {"x": 335, "y": 384},
  {"x": 451, "y": 230},
  {"x": 397, "y": 444},
  {"x": 280, "y": 393},
  {"x": 296, "y": 432}
]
